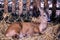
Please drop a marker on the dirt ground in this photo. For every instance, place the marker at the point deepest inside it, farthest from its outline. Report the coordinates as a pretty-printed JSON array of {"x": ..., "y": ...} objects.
[{"x": 51, "y": 33}]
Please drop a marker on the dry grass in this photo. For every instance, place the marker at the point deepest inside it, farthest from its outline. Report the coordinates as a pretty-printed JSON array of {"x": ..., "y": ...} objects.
[{"x": 49, "y": 33}]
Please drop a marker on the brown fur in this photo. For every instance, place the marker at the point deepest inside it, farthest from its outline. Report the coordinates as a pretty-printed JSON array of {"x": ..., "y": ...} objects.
[
  {"x": 35, "y": 27},
  {"x": 14, "y": 26},
  {"x": 26, "y": 28},
  {"x": 29, "y": 28}
]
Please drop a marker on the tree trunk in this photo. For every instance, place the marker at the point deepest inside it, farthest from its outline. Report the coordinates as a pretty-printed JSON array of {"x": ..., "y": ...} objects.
[
  {"x": 53, "y": 10},
  {"x": 20, "y": 6},
  {"x": 5, "y": 6},
  {"x": 45, "y": 4},
  {"x": 13, "y": 6},
  {"x": 28, "y": 5},
  {"x": 38, "y": 3}
]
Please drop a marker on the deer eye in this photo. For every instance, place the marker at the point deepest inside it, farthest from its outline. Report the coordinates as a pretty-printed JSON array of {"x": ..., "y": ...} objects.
[{"x": 44, "y": 15}]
